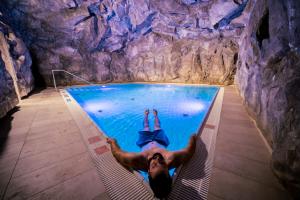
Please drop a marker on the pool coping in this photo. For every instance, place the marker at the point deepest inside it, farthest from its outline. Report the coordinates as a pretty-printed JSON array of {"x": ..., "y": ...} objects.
[
  {"x": 94, "y": 139},
  {"x": 147, "y": 83},
  {"x": 207, "y": 135}
]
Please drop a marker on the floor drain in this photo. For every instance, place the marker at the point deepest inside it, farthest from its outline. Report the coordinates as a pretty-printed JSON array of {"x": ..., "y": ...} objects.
[
  {"x": 132, "y": 99},
  {"x": 100, "y": 111},
  {"x": 185, "y": 115}
]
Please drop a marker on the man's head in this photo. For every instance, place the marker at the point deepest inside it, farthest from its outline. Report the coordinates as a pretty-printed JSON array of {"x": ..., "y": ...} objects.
[{"x": 159, "y": 177}]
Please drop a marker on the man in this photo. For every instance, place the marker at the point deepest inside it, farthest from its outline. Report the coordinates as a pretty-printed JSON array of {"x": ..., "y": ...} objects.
[{"x": 154, "y": 158}]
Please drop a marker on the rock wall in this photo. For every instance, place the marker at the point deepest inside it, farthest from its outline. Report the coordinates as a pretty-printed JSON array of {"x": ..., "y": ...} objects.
[
  {"x": 15, "y": 76},
  {"x": 131, "y": 40},
  {"x": 171, "y": 41},
  {"x": 15, "y": 53},
  {"x": 8, "y": 96},
  {"x": 268, "y": 77}
]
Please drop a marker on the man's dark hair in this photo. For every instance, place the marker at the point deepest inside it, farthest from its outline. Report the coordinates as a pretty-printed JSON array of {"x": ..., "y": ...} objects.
[{"x": 161, "y": 185}]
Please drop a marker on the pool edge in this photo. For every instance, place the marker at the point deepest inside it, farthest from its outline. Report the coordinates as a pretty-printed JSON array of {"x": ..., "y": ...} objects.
[{"x": 210, "y": 124}]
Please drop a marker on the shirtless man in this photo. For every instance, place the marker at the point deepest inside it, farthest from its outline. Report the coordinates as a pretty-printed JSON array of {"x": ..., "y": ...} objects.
[{"x": 154, "y": 158}]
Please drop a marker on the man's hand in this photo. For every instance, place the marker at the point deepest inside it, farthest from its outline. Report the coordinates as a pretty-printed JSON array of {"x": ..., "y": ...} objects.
[
  {"x": 181, "y": 156},
  {"x": 110, "y": 140},
  {"x": 193, "y": 139},
  {"x": 128, "y": 160}
]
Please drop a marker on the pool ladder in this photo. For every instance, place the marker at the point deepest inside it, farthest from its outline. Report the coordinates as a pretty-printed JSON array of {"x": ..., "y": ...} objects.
[{"x": 69, "y": 73}]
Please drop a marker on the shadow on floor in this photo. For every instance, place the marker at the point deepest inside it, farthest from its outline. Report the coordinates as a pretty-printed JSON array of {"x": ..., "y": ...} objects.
[
  {"x": 186, "y": 184},
  {"x": 36, "y": 90},
  {"x": 5, "y": 124}
]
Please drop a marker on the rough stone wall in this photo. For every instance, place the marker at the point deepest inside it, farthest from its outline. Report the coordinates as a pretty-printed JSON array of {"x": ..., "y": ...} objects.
[
  {"x": 15, "y": 64},
  {"x": 8, "y": 96},
  {"x": 268, "y": 77},
  {"x": 14, "y": 52},
  {"x": 131, "y": 40}
]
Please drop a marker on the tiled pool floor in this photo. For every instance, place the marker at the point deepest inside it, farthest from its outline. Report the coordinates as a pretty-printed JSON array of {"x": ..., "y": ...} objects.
[{"x": 44, "y": 156}]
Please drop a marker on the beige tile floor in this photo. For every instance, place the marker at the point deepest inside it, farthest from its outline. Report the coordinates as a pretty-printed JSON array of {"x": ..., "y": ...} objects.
[
  {"x": 44, "y": 156},
  {"x": 242, "y": 161}
]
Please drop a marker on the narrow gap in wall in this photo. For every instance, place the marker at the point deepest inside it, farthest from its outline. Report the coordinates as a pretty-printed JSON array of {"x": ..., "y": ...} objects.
[
  {"x": 263, "y": 29},
  {"x": 235, "y": 58},
  {"x": 39, "y": 81}
]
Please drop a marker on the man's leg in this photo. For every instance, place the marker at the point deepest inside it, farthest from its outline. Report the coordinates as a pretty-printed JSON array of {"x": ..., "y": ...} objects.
[
  {"x": 156, "y": 120},
  {"x": 146, "y": 121}
]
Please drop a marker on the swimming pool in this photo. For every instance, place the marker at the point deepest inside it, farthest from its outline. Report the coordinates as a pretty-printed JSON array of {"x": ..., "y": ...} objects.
[{"x": 118, "y": 110}]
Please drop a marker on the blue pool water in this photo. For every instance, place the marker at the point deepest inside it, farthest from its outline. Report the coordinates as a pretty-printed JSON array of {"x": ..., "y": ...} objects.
[{"x": 118, "y": 109}]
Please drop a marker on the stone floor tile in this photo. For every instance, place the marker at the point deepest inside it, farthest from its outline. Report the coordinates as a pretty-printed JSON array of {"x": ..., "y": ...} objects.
[
  {"x": 213, "y": 197},
  {"x": 235, "y": 128},
  {"x": 46, "y": 131},
  {"x": 246, "y": 168},
  {"x": 230, "y": 186},
  {"x": 10, "y": 150},
  {"x": 4, "y": 180},
  {"x": 32, "y": 147},
  {"x": 240, "y": 109},
  {"x": 7, "y": 165},
  {"x": 44, "y": 178},
  {"x": 243, "y": 123},
  {"x": 49, "y": 122},
  {"x": 32, "y": 163},
  {"x": 242, "y": 138},
  {"x": 102, "y": 196},
  {"x": 18, "y": 130},
  {"x": 85, "y": 186},
  {"x": 246, "y": 151},
  {"x": 5, "y": 175},
  {"x": 13, "y": 139}
]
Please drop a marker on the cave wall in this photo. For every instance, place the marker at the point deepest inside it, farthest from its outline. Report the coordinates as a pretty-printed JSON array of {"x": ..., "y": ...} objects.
[
  {"x": 169, "y": 41},
  {"x": 268, "y": 78},
  {"x": 16, "y": 79},
  {"x": 8, "y": 96},
  {"x": 131, "y": 40}
]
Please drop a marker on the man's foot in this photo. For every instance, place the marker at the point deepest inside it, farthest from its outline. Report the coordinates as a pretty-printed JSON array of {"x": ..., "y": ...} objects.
[
  {"x": 147, "y": 112},
  {"x": 155, "y": 112}
]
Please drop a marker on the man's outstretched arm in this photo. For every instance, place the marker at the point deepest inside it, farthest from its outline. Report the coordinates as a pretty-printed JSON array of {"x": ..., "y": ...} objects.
[
  {"x": 128, "y": 160},
  {"x": 179, "y": 157}
]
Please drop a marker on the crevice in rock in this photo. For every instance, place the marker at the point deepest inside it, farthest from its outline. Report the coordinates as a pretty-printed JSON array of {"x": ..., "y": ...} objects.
[
  {"x": 39, "y": 81},
  {"x": 232, "y": 15},
  {"x": 262, "y": 32},
  {"x": 235, "y": 58}
]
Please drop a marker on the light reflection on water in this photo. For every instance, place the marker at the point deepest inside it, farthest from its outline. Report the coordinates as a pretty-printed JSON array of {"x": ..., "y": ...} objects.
[{"x": 118, "y": 109}]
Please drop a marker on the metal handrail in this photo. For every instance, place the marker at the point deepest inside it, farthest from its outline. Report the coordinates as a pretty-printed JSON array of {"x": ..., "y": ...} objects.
[{"x": 61, "y": 70}]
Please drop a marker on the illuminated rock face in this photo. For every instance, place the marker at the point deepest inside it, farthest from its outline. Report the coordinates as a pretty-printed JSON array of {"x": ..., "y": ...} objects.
[
  {"x": 8, "y": 96},
  {"x": 171, "y": 41},
  {"x": 268, "y": 77},
  {"x": 131, "y": 40},
  {"x": 15, "y": 61}
]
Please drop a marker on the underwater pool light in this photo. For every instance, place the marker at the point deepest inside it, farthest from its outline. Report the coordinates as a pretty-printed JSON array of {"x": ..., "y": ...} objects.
[
  {"x": 191, "y": 106},
  {"x": 94, "y": 107}
]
